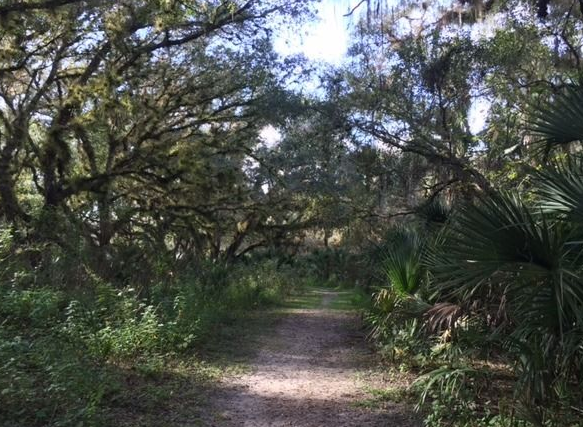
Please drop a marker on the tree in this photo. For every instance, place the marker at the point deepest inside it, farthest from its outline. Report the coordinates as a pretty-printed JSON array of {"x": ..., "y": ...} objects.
[
  {"x": 416, "y": 77},
  {"x": 114, "y": 115}
]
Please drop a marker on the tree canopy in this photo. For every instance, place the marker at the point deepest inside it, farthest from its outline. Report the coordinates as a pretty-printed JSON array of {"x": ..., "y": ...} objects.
[{"x": 161, "y": 163}]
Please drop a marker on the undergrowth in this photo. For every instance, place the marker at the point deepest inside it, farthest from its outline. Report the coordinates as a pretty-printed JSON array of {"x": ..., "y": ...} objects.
[
  {"x": 68, "y": 355},
  {"x": 481, "y": 359}
]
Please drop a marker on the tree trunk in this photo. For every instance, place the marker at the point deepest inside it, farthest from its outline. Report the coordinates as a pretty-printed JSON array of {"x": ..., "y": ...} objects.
[{"x": 9, "y": 206}]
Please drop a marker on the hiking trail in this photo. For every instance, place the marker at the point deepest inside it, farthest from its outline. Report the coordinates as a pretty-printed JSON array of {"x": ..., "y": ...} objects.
[{"x": 308, "y": 372}]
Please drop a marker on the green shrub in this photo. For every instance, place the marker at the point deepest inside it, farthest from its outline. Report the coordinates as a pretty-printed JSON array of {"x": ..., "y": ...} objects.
[
  {"x": 62, "y": 352},
  {"x": 45, "y": 376}
]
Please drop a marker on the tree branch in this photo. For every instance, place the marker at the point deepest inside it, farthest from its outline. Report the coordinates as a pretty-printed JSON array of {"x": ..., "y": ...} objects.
[{"x": 28, "y": 6}]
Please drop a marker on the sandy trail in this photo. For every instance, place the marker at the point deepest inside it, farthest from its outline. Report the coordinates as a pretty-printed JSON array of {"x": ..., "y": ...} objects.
[{"x": 306, "y": 374}]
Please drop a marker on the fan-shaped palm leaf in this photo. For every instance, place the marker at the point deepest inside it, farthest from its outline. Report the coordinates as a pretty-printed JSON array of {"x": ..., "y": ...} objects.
[
  {"x": 560, "y": 188},
  {"x": 402, "y": 263},
  {"x": 436, "y": 211},
  {"x": 505, "y": 247},
  {"x": 501, "y": 242},
  {"x": 561, "y": 121}
]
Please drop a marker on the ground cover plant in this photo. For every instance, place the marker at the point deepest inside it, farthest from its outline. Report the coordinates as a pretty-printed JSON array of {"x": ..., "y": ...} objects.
[{"x": 168, "y": 170}]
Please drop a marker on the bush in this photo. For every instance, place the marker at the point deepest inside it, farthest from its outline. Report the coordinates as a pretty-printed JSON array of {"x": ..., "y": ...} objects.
[
  {"x": 63, "y": 351},
  {"x": 503, "y": 277},
  {"x": 45, "y": 377}
]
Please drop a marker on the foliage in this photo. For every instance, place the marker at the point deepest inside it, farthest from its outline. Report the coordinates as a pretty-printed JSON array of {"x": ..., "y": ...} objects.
[
  {"x": 501, "y": 247},
  {"x": 140, "y": 122},
  {"x": 403, "y": 267},
  {"x": 503, "y": 271},
  {"x": 559, "y": 122},
  {"x": 65, "y": 355},
  {"x": 508, "y": 273},
  {"x": 141, "y": 206}
]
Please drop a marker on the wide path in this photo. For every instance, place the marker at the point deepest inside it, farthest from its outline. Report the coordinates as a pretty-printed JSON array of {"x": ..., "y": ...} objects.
[{"x": 308, "y": 373}]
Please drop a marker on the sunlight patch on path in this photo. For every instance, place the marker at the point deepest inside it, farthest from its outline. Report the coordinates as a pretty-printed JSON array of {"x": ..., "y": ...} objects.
[{"x": 306, "y": 375}]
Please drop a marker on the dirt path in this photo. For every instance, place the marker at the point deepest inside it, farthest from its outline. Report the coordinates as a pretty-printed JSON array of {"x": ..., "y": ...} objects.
[{"x": 306, "y": 374}]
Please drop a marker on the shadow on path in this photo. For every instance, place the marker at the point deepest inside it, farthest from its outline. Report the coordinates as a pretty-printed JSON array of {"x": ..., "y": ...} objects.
[{"x": 306, "y": 375}]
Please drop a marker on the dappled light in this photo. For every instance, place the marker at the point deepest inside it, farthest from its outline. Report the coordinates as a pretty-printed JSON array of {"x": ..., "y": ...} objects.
[
  {"x": 306, "y": 375},
  {"x": 291, "y": 213}
]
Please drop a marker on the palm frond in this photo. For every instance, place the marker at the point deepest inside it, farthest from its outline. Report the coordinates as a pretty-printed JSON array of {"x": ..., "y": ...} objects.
[
  {"x": 505, "y": 244},
  {"x": 509, "y": 249},
  {"x": 560, "y": 188},
  {"x": 443, "y": 316},
  {"x": 560, "y": 122},
  {"x": 402, "y": 264},
  {"x": 436, "y": 211}
]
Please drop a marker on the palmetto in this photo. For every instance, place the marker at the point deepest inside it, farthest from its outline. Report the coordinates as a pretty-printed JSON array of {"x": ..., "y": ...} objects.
[
  {"x": 508, "y": 256},
  {"x": 518, "y": 259},
  {"x": 402, "y": 264}
]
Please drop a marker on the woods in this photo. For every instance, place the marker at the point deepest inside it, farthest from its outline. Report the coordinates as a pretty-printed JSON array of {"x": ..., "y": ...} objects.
[{"x": 165, "y": 168}]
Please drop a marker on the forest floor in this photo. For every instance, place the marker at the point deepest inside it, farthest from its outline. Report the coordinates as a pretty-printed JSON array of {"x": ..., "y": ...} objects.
[
  {"x": 310, "y": 367},
  {"x": 305, "y": 364}
]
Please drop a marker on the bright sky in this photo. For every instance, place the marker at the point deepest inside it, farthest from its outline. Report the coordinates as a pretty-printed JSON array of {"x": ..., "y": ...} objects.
[
  {"x": 327, "y": 40},
  {"x": 324, "y": 40}
]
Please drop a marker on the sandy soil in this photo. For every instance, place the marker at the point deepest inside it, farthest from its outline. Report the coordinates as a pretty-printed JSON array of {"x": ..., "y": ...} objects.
[{"x": 306, "y": 374}]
